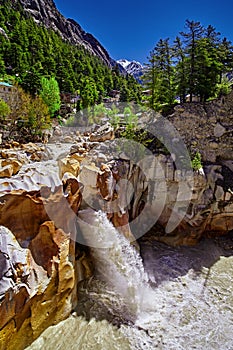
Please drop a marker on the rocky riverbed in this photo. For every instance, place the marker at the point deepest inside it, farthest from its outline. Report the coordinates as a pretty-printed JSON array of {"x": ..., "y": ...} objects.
[{"x": 53, "y": 264}]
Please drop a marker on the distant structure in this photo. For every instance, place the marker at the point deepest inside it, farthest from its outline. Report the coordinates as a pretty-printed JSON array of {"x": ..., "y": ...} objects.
[{"x": 6, "y": 91}]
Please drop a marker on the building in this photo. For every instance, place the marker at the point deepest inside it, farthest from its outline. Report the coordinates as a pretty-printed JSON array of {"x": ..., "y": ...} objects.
[{"x": 6, "y": 91}]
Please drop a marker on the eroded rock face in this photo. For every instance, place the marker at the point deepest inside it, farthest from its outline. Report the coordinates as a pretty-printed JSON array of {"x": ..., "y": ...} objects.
[
  {"x": 39, "y": 265},
  {"x": 122, "y": 190}
]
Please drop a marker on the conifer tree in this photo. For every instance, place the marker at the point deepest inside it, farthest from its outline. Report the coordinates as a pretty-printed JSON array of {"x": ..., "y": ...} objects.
[
  {"x": 191, "y": 36},
  {"x": 159, "y": 75},
  {"x": 180, "y": 74},
  {"x": 151, "y": 81}
]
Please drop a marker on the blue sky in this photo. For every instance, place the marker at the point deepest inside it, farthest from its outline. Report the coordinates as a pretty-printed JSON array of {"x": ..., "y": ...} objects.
[{"x": 130, "y": 29}]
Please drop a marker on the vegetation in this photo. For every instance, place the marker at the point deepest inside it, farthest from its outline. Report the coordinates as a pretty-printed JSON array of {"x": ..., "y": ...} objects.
[
  {"x": 4, "y": 110},
  {"x": 42, "y": 66},
  {"x": 50, "y": 94},
  {"x": 194, "y": 65},
  {"x": 196, "y": 161},
  {"x": 30, "y": 52},
  {"x": 24, "y": 116}
]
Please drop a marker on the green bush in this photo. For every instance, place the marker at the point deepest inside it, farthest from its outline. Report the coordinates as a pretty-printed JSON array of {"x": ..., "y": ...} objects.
[{"x": 196, "y": 161}]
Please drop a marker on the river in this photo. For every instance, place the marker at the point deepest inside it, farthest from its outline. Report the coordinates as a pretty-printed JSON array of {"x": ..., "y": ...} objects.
[{"x": 163, "y": 298}]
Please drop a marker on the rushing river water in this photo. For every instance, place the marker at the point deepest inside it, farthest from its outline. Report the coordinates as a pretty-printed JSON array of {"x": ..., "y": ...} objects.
[
  {"x": 170, "y": 299},
  {"x": 165, "y": 298}
]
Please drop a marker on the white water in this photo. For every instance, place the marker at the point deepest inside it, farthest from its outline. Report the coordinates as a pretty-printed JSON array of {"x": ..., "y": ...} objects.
[
  {"x": 175, "y": 299},
  {"x": 117, "y": 263},
  {"x": 186, "y": 302},
  {"x": 183, "y": 301}
]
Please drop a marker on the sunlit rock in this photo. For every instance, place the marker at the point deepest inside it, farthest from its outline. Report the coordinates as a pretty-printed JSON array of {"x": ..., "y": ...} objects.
[
  {"x": 69, "y": 164},
  {"x": 40, "y": 267},
  {"x": 103, "y": 133}
]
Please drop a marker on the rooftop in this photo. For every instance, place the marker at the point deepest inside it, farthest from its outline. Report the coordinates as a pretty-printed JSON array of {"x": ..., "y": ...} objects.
[{"x": 5, "y": 84}]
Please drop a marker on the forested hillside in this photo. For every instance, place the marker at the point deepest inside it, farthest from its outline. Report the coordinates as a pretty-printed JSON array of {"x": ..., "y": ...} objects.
[{"x": 29, "y": 51}]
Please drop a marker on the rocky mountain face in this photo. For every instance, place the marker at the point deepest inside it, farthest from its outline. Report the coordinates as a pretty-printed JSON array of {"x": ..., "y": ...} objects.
[
  {"x": 45, "y": 12},
  {"x": 132, "y": 67}
]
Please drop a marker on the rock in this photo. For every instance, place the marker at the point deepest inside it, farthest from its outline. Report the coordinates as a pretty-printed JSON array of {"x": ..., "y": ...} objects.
[
  {"x": 17, "y": 277},
  {"x": 78, "y": 149},
  {"x": 6, "y": 171},
  {"x": 88, "y": 177},
  {"x": 15, "y": 164},
  {"x": 219, "y": 130},
  {"x": 31, "y": 147},
  {"x": 39, "y": 267},
  {"x": 34, "y": 304},
  {"x": 19, "y": 155},
  {"x": 69, "y": 164},
  {"x": 106, "y": 182},
  {"x": 103, "y": 133},
  {"x": 23, "y": 212},
  {"x": 15, "y": 144},
  {"x": 67, "y": 139},
  {"x": 213, "y": 145},
  {"x": 57, "y": 131}
]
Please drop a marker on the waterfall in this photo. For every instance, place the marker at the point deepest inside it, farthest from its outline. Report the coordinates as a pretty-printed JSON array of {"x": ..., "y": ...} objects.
[
  {"x": 183, "y": 300},
  {"x": 117, "y": 262}
]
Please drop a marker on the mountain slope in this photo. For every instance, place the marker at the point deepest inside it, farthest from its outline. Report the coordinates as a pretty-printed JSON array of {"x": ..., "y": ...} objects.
[{"x": 46, "y": 12}]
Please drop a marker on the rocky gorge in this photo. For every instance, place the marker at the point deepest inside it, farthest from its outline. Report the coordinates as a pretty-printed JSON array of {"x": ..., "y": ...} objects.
[{"x": 44, "y": 188}]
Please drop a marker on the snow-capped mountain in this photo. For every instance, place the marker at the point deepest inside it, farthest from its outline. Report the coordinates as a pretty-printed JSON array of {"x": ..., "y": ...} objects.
[{"x": 132, "y": 67}]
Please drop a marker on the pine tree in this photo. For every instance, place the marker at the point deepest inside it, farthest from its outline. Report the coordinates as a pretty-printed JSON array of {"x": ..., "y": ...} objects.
[
  {"x": 191, "y": 37},
  {"x": 225, "y": 51},
  {"x": 180, "y": 75},
  {"x": 151, "y": 81},
  {"x": 159, "y": 75}
]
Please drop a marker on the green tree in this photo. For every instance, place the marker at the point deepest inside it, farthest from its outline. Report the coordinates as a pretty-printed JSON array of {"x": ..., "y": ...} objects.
[
  {"x": 159, "y": 75},
  {"x": 89, "y": 93},
  {"x": 2, "y": 66},
  {"x": 180, "y": 74},
  {"x": 151, "y": 81},
  {"x": 4, "y": 110},
  {"x": 50, "y": 94},
  {"x": 38, "y": 116},
  {"x": 125, "y": 95},
  {"x": 209, "y": 69},
  {"x": 19, "y": 103},
  {"x": 225, "y": 51},
  {"x": 191, "y": 36}
]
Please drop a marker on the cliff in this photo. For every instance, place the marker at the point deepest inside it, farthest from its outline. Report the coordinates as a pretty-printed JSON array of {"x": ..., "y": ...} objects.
[{"x": 45, "y": 12}]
